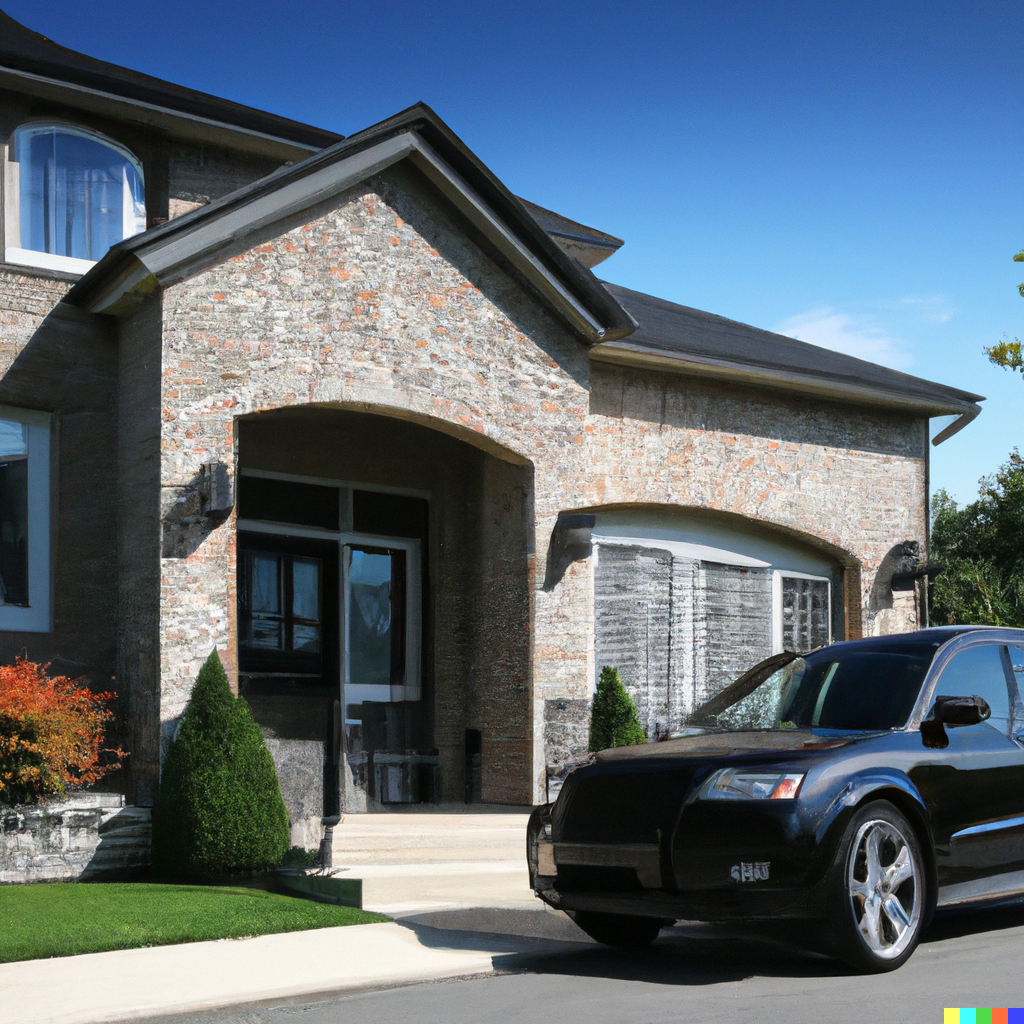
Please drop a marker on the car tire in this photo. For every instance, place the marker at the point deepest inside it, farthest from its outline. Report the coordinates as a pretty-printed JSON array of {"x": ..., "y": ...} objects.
[
  {"x": 877, "y": 891},
  {"x": 624, "y": 931}
]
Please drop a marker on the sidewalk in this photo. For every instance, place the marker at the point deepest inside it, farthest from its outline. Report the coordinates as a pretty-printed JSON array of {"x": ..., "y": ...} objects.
[{"x": 133, "y": 983}]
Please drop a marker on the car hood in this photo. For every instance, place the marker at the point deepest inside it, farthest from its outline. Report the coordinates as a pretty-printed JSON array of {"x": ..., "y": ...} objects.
[
  {"x": 714, "y": 743},
  {"x": 635, "y": 794}
]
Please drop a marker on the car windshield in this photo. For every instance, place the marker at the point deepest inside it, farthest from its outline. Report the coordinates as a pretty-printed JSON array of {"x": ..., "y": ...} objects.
[{"x": 859, "y": 689}]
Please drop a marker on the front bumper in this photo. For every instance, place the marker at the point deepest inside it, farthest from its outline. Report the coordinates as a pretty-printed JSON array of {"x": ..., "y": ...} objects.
[{"x": 717, "y": 865}]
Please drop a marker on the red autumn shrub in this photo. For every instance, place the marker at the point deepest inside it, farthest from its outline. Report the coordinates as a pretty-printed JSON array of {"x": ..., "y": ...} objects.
[{"x": 52, "y": 731}]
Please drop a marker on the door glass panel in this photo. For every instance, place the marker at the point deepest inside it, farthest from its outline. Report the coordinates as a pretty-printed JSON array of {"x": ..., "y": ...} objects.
[
  {"x": 265, "y": 601},
  {"x": 369, "y": 626},
  {"x": 306, "y": 604},
  {"x": 978, "y": 671}
]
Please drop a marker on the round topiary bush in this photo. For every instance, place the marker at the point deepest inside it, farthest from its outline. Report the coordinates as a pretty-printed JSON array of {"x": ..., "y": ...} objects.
[
  {"x": 218, "y": 812},
  {"x": 613, "y": 717}
]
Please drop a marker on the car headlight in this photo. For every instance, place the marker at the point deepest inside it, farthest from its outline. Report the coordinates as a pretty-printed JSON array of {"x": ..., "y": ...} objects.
[{"x": 737, "y": 784}]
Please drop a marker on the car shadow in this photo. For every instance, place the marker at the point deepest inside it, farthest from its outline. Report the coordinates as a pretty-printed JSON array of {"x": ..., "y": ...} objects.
[
  {"x": 689, "y": 954},
  {"x": 961, "y": 921}
]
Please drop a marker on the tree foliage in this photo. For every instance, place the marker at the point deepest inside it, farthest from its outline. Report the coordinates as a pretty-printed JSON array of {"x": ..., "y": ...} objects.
[
  {"x": 218, "y": 812},
  {"x": 1008, "y": 353},
  {"x": 982, "y": 548},
  {"x": 613, "y": 718},
  {"x": 52, "y": 732}
]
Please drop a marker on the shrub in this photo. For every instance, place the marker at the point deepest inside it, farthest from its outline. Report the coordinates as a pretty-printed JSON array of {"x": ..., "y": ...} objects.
[
  {"x": 613, "y": 718},
  {"x": 52, "y": 731},
  {"x": 218, "y": 812},
  {"x": 299, "y": 857}
]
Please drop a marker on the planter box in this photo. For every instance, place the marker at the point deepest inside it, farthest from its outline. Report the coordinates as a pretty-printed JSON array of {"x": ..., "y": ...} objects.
[
  {"x": 80, "y": 837},
  {"x": 344, "y": 892}
]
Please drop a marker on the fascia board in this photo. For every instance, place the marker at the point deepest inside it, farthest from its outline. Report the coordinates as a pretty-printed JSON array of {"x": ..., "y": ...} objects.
[
  {"x": 163, "y": 116},
  {"x": 457, "y": 190},
  {"x": 208, "y": 240},
  {"x": 624, "y": 354}
]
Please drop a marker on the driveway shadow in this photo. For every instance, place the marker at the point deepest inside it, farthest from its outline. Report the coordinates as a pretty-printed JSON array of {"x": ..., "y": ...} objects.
[{"x": 689, "y": 954}]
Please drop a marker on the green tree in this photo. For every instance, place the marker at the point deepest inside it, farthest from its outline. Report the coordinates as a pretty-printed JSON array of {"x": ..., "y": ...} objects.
[
  {"x": 982, "y": 548},
  {"x": 1008, "y": 353},
  {"x": 218, "y": 812},
  {"x": 613, "y": 718}
]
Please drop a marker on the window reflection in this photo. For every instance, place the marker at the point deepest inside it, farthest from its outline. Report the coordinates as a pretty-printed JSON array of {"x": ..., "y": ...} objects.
[
  {"x": 306, "y": 605},
  {"x": 78, "y": 193},
  {"x": 369, "y": 619},
  {"x": 281, "y": 601}
]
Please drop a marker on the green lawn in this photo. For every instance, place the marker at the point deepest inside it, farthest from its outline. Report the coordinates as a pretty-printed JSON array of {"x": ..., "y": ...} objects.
[{"x": 67, "y": 918}]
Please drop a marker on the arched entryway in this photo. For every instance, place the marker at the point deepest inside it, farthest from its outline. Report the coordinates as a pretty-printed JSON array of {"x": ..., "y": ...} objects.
[{"x": 383, "y": 608}]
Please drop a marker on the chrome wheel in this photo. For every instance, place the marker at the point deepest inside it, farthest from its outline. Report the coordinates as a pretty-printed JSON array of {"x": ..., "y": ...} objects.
[{"x": 884, "y": 887}]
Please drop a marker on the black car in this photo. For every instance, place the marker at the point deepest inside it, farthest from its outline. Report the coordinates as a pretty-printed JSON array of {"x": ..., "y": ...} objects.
[{"x": 860, "y": 787}]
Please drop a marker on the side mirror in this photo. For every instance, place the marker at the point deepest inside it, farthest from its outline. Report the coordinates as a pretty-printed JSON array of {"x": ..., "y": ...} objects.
[
  {"x": 961, "y": 710},
  {"x": 952, "y": 711}
]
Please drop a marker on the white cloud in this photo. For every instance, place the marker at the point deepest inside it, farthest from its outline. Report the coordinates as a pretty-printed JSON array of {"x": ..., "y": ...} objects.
[
  {"x": 931, "y": 308},
  {"x": 843, "y": 333}
]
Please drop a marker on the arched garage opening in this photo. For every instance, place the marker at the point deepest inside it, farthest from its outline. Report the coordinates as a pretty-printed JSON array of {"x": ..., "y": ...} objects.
[
  {"x": 685, "y": 600},
  {"x": 383, "y": 610}
]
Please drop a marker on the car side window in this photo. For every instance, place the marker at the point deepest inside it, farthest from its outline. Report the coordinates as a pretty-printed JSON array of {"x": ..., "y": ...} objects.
[{"x": 978, "y": 671}]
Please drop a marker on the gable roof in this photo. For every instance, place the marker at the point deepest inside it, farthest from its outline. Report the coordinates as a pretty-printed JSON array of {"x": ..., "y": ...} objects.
[
  {"x": 187, "y": 245},
  {"x": 29, "y": 62},
  {"x": 587, "y": 244},
  {"x": 687, "y": 340}
]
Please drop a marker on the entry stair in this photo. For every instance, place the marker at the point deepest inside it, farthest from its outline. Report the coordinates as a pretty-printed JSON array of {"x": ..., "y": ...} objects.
[{"x": 416, "y": 862}]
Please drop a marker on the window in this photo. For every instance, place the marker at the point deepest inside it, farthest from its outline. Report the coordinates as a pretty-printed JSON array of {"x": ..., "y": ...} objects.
[
  {"x": 72, "y": 194},
  {"x": 282, "y": 617},
  {"x": 802, "y": 609},
  {"x": 978, "y": 671},
  {"x": 24, "y": 521}
]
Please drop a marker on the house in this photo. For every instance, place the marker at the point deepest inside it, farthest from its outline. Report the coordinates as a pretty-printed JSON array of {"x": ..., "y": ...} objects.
[{"x": 352, "y": 413}]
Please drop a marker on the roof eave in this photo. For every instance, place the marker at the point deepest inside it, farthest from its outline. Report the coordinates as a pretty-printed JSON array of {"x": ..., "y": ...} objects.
[
  {"x": 846, "y": 390},
  {"x": 176, "y": 250},
  {"x": 172, "y": 120}
]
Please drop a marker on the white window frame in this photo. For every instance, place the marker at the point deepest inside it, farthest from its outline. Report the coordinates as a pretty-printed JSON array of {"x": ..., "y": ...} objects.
[
  {"x": 37, "y": 617},
  {"x": 777, "y": 577},
  {"x": 18, "y": 256}
]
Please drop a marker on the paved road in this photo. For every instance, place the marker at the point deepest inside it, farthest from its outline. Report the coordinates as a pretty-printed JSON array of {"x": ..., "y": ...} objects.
[{"x": 699, "y": 974}]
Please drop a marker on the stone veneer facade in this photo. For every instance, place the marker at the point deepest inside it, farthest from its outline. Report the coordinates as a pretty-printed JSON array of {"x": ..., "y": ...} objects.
[{"x": 382, "y": 305}]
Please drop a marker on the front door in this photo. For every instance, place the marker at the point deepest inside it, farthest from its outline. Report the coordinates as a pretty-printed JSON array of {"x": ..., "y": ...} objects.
[{"x": 384, "y": 721}]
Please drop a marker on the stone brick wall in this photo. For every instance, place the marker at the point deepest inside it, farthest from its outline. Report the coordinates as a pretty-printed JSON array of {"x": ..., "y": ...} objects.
[
  {"x": 81, "y": 837},
  {"x": 383, "y": 305},
  {"x": 27, "y": 298},
  {"x": 138, "y": 547},
  {"x": 198, "y": 174}
]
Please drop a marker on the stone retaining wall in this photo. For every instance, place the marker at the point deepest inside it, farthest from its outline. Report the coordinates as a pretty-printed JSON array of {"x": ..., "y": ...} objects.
[{"x": 87, "y": 836}]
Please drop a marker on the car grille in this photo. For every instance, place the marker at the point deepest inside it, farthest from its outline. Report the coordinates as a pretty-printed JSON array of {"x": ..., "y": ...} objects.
[{"x": 620, "y": 802}]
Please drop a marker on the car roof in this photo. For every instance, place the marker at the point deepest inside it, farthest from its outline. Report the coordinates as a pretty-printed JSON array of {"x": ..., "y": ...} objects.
[{"x": 933, "y": 636}]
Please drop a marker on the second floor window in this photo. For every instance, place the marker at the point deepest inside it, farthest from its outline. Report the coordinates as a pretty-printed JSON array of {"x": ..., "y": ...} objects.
[{"x": 77, "y": 193}]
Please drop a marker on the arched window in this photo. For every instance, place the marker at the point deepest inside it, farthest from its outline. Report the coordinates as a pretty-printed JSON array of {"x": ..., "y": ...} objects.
[{"x": 76, "y": 194}]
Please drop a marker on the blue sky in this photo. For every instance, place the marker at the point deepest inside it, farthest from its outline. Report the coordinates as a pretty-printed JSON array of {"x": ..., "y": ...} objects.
[{"x": 849, "y": 173}]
